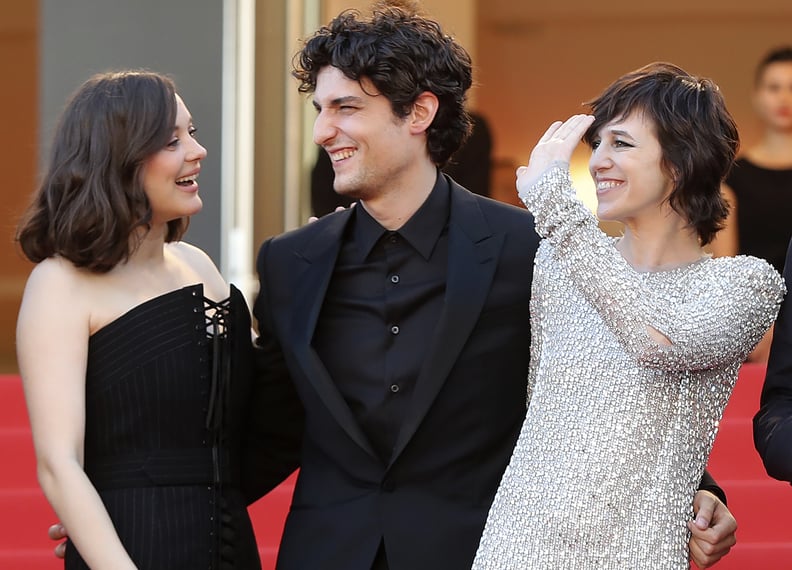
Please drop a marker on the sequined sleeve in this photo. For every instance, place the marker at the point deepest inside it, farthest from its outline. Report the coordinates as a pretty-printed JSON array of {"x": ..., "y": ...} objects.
[{"x": 721, "y": 320}]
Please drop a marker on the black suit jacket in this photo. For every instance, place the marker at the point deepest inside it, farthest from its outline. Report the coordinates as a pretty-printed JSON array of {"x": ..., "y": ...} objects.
[
  {"x": 773, "y": 422},
  {"x": 430, "y": 501}
]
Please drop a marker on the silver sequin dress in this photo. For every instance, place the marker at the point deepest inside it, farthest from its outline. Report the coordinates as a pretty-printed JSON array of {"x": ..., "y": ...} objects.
[{"x": 619, "y": 428}]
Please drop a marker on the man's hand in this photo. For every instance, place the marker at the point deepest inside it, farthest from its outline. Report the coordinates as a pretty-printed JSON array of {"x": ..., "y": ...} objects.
[
  {"x": 57, "y": 532},
  {"x": 712, "y": 530},
  {"x": 338, "y": 209}
]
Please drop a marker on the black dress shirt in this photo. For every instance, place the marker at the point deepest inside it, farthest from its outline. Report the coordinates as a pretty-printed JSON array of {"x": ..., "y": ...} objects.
[{"x": 380, "y": 312}]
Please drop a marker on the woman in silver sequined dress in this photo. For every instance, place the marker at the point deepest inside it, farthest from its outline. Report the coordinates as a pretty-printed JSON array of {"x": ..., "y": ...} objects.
[{"x": 637, "y": 341}]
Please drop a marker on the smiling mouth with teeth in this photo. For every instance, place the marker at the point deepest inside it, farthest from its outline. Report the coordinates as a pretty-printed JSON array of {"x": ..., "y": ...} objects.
[
  {"x": 187, "y": 180},
  {"x": 341, "y": 155}
]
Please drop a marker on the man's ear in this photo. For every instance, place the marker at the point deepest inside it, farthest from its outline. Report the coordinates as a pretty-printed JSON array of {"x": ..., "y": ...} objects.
[{"x": 423, "y": 112}]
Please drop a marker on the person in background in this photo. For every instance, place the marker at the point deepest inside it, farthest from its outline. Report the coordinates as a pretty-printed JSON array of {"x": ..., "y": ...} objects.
[
  {"x": 759, "y": 186},
  {"x": 138, "y": 404},
  {"x": 773, "y": 422},
  {"x": 636, "y": 341},
  {"x": 404, "y": 322}
]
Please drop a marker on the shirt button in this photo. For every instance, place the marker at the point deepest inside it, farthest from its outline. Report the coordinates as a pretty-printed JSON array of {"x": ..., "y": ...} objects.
[
  {"x": 394, "y": 279},
  {"x": 394, "y": 329},
  {"x": 394, "y": 388}
]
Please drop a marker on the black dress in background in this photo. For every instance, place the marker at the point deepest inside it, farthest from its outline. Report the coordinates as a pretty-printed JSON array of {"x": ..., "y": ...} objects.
[
  {"x": 167, "y": 389},
  {"x": 764, "y": 210}
]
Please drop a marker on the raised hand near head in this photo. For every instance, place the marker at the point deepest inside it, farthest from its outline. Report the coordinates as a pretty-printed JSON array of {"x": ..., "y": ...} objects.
[{"x": 556, "y": 145}]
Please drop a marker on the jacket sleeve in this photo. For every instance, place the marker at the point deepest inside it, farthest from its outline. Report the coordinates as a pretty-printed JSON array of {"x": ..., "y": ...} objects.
[
  {"x": 773, "y": 422},
  {"x": 276, "y": 420}
]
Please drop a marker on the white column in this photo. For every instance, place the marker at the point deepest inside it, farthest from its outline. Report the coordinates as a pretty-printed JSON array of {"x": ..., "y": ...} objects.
[{"x": 238, "y": 105}]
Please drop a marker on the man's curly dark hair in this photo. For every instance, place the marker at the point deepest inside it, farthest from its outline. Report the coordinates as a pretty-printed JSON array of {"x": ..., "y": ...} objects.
[{"x": 403, "y": 54}]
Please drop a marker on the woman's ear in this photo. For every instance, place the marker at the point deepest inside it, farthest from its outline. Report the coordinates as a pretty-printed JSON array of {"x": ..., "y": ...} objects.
[{"x": 423, "y": 112}]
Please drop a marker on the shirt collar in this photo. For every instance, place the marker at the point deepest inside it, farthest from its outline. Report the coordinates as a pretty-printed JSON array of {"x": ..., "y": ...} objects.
[{"x": 421, "y": 231}]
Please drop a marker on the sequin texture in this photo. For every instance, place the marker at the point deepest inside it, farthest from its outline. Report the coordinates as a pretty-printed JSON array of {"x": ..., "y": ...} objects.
[{"x": 619, "y": 427}]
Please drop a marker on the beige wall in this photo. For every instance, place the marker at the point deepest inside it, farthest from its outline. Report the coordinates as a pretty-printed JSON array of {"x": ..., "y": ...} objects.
[
  {"x": 18, "y": 155},
  {"x": 457, "y": 16}
]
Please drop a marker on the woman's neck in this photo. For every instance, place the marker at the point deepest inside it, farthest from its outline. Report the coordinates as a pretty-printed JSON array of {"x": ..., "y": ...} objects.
[
  {"x": 147, "y": 247},
  {"x": 773, "y": 151},
  {"x": 649, "y": 250}
]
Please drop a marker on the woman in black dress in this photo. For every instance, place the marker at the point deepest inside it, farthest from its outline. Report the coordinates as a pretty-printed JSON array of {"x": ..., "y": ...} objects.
[
  {"x": 759, "y": 186},
  {"x": 134, "y": 356}
]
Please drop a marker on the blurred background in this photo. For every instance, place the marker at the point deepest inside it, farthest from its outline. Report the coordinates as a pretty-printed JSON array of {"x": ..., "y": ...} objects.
[{"x": 534, "y": 62}]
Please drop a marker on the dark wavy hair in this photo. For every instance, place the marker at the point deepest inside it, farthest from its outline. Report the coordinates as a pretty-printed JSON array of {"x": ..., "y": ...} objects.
[
  {"x": 403, "y": 54},
  {"x": 697, "y": 135},
  {"x": 781, "y": 54},
  {"x": 91, "y": 201}
]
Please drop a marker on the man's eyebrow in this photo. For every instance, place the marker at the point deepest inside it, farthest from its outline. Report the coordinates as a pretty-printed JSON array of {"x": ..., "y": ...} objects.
[{"x": 338, "y": 101}]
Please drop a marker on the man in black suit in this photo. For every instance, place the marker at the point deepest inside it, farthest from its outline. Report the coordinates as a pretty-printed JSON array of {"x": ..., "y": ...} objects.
[
  {"x": 402, "y": 323},
  {"x": 773, "y": 422}
]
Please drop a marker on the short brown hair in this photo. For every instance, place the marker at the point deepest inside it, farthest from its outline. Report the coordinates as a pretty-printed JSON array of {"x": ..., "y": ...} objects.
[
  {"x": 697, "y": 135},
  {"x": 91, "y": 198}
]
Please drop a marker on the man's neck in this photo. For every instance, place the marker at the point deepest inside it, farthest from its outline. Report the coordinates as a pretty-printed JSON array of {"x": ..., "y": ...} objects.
[{"x": 394, "y": 207}]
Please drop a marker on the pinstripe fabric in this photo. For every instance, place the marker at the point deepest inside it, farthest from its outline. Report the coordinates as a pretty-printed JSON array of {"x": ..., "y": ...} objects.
[{"x": 147, "y": 446}]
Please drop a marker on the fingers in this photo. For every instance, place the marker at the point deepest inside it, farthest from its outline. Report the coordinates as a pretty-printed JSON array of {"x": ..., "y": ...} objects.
[
  {"x": 57, "y": 532},
  {"x": 705, "y": 547},
  {"x": 312, "y": 219},
  {"x": 704, "y": 515},
  {"x": 551, "y": 130},
  {"x": 704, "y": 505},
  {"x": 712, "y": 532},
  {"x": 575, "y": 127},
  {"x": 556, "y": 145}
]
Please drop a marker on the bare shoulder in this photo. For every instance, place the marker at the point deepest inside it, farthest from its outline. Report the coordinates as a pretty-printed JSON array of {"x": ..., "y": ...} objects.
[
  {"x": 198, "y": 261},
  {"x": 56, "y": 277},
  {"x": 58, "y": 290},
  {"x": 189, "y": 253}
]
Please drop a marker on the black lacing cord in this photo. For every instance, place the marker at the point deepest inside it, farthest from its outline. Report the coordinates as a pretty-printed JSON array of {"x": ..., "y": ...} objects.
[{"x": 217, "y": 317}]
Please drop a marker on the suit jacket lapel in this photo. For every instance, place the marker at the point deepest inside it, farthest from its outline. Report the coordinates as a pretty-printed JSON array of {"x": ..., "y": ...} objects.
[
  {"x": 319, "y": 256},
  {"x": 472, "y": 259}
]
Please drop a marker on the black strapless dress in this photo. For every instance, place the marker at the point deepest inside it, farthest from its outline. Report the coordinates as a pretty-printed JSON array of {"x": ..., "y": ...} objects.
[{"x": 167, "y": 392}]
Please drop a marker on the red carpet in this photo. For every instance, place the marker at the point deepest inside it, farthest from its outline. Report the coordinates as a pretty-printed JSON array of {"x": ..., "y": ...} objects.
[{"x": 760, "y": 504}]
